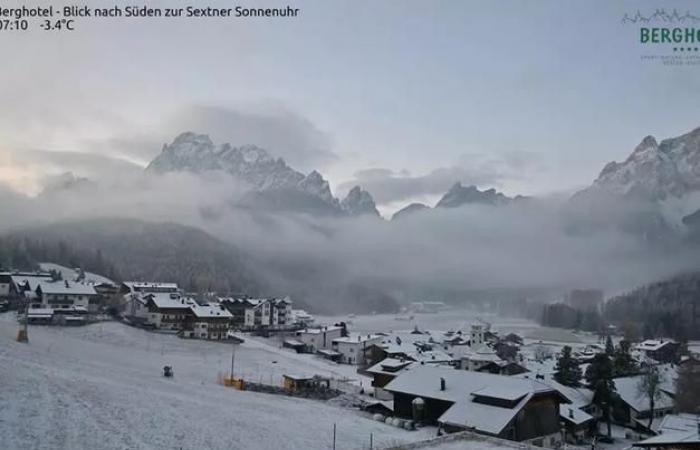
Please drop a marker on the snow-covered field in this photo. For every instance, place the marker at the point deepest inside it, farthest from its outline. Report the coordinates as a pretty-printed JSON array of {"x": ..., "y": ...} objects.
[
  {"x": 449, "y": 319},
  {"x": 459, "y": 319},
  {"x": 100, "y": 387}
]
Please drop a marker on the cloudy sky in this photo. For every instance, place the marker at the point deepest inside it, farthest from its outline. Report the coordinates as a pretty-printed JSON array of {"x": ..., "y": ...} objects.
[{"x": 405, "y": 97}]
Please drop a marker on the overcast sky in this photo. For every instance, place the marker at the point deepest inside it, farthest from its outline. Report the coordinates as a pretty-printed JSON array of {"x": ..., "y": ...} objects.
[{"x": 405, "y": 97}]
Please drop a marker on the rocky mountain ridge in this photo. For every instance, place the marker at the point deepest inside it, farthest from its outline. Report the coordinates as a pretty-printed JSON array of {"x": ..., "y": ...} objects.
[{"x": 273, "y": 183}]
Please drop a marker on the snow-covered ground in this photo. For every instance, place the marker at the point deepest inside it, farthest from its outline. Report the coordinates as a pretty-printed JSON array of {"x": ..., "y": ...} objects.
[
  {"x": 449, "y": 319},
  {"x": 100, "y": 387},
  {"x": 461, "y": 319}
]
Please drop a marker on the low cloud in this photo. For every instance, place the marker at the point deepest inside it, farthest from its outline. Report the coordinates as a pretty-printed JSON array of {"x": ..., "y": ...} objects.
[
  {"x": 387, "y": 186},
  {"x": 282, "y": 132},
  {"x": 520, "y": 246},
  {"x": 84, "y": 139}
]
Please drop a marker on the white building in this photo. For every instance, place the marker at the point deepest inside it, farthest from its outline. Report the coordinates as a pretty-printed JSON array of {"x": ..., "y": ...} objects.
[
  {"x": 353, "y": 348},
  {"x": 257, "y": 313},
  {"x": 476, "y": 358},
  {"x": 64, "y": 294},
  {"x": 319, "y": 338}
]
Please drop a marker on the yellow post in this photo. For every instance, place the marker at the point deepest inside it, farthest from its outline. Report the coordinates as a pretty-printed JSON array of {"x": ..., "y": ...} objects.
[{"x": 22, "y": 335}]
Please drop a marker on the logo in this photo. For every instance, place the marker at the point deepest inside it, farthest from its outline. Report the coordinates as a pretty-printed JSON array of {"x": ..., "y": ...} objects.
[{"x": 669, "y": 38}]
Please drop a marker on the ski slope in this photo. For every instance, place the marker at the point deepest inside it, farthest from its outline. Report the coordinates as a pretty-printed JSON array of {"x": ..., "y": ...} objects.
[{"x": 100, "y": 387}]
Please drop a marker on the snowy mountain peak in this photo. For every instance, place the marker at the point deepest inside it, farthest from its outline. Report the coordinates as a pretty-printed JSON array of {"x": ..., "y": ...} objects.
[
  {"x": 359, "y": 202},
  {"x": 196, "y": 153},
  {"x": 656, "y": 171},
  {"x": 459, "y": 195},
  {"x": 316, "y": 185},
  {"x": 188, "y": 139}
]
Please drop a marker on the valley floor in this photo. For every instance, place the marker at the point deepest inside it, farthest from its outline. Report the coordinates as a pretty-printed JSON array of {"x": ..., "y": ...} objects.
[{"x": 101, "y": 387}]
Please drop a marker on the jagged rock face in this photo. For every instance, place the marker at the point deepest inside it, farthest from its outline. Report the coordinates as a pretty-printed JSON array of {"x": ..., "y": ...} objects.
[
  {"x": 656, "y": 171},
  {"x": 459, "y": 195},
  {"x": 359, "y": 202},
  {"x": 409, "y": 210},
  {"x": 273, "y": 177}
]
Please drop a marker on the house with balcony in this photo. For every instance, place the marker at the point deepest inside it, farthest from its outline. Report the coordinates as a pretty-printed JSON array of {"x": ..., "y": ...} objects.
[
  {"x": 259, "y": 313},
  {"x": 64, "y": 295},
  {"x": 211, "y": 321}
]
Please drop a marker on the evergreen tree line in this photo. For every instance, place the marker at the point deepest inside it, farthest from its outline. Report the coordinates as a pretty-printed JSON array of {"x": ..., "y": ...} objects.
[
  {"x": 24, "y": 253},
  {"x": 562, "y": 315},
  {"x": 669, "y": 308}
]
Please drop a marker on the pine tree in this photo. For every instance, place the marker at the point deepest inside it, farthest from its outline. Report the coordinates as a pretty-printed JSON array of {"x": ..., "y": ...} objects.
[
  {"x": 567, "y": 370},
  {"x": 688, "y": 387},
  {"x": 609, "y": 347},
  {"x": 623, "y": 363},
  {"x": 599, "y": 376}
]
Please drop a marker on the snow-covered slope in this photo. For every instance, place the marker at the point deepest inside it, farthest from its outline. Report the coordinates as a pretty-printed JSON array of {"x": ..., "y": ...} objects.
[
  {"x": 100, "y": 387},
  {"x": 656, "y": 171}
]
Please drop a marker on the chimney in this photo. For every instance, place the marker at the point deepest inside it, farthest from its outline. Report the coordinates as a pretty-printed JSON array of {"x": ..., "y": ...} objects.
[
  {"x": 66, "y": 281},
  {"x": 359, "y": 338},
  {"x": 442, "y": 384},
  {"x": 571, "y": 413}
]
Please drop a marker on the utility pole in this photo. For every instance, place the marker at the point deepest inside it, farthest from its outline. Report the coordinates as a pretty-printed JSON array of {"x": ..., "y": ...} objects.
[{"x": 333, "y": 436}]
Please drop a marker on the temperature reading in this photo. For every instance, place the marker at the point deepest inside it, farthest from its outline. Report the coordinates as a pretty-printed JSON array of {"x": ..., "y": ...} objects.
[{"x": 58, "y": 25}]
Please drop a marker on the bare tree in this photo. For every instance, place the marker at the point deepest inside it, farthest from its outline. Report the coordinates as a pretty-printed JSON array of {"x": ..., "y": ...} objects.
[{"x": 650, "y": 387}]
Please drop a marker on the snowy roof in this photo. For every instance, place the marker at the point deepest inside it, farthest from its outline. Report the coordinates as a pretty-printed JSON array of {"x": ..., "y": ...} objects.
[
  {"x": 72, "y": 274},
  {"x": 146, "y": 285},
  {"x": 679, "y": 422},
  {"x": 357, "y": 338},
  {"x": 481, "y": 353},
  {"x": 33, "y": 280},
  {"x": 503, "y": 393},
  {"x": 485, "y": 418},
  {"x": 652, "y": 345},
  {"x": 319, "y": 330},
  {"x": 325, "y": 352},
  {"x": 389, "y": 366},
  {"x": 462, "y": 388},
  {"x": 168, "y": 300},
  {"x": 628, "y": 390},
  {"x": 574, "y": 415},
  {"x": 578, "y": 397},
  {"x": 66, "y": 288},
  {"x": 672, "y": 438},
  {"x": 209, "y": 311}
]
